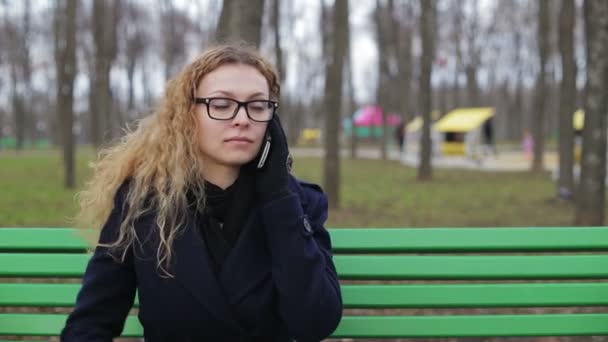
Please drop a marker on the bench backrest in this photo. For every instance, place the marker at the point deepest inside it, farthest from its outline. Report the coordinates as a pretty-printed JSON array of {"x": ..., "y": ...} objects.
[{"x": 398, "y": 279}]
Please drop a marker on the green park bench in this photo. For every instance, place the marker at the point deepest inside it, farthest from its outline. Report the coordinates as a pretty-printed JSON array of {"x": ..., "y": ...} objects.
[{"x": 398, "y": 280}]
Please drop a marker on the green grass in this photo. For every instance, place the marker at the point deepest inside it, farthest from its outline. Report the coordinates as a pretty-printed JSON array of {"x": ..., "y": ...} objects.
[
  {"x": 374, "y": 194},
  {"x": 32, "y": 191},
  {"x": 387, "y": 194}
]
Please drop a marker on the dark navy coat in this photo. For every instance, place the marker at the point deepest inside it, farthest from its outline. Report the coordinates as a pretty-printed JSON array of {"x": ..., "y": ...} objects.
[{"x": 278, "y": 283}]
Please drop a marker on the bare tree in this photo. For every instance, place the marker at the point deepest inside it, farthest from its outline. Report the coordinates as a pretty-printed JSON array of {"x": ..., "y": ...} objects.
[
  {"x": 275, "y": 23},
  {"x": 474, "y": 55},
  {"x": 18, "y": 34},
  {"x": 567, "y": 98},
  {"x": 276, "y": 28},
  {"x": 427, "y": 31},
  {"x": 65, "y": 59},
  {"x": 352, "y": 105},
  {"x": 404, "y": 59},
  {"x": 591, "y": 195},
  {"x": 17, "y": 95},
  {"x": 136, "y": 40},
  {"x": 382, "y": 18},
  {"x": 104, "y": 22},
  {"x": 350, "y": 91},
  {"x": 538, "y": 127},
  {"x": 241, "y": 21},
  {"x": 387, "y": 43},
  {"x": 333, "y": 101},
  {"x": 457, "y": 11},
  {"x": 175, "y": 24},
  {"x": 515, "y": 105}
]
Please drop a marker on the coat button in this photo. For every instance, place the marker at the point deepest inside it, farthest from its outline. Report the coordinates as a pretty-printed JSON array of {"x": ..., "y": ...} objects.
[{"x": 307, "y": 226}]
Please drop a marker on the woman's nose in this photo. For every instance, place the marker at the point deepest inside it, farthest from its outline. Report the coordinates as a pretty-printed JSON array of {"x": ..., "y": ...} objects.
[{"x": 241, "y": 117}]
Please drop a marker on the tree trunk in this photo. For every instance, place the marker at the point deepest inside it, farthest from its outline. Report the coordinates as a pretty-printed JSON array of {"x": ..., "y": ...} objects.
[
  {"x": 472, "y": 89},
  {"x": 351, "y": 102},
  {"x": 276, "y": 26},
  {"x": 383, "y": 27},
  {"x": 18, "y": 107},
  {"x": 404, "y": 60},
  {"x": 135, "y": 39},
  {"x": 289, "y": 115},
  {"x": 26, "y": 70},
  {"x": 456, "y": 37},
  {"x": 241, "y": 21},
  {"x": 591, "y": 194},
  {"x": 65, "y": 58},
  {"x": 567, "y": 99},
  {"x": 172, "y": 38},
  {"x": 131, "y": 77},
  {"x": 17, "y": 34},
  {"x": 474, "y": 58},
  {"x": 104, "y": 38},
  {"x": 515, "y": 115},
  {"x": 222, "y": 32},
  {"x": 427, "y": 29},
  {"x": 538, "y": 127},
  {"x": 333, "y": 102}
]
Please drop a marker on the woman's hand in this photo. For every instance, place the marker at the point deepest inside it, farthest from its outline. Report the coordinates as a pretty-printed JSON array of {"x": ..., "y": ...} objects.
[{"x": 272, "y": 178}]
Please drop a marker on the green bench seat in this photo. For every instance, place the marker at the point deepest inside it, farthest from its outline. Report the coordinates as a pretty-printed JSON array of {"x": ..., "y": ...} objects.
[{"x": 380, "y": 268}]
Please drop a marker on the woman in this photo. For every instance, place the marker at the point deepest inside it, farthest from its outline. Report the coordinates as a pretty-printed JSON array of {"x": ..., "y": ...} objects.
[{"x": 219, "y": 240}]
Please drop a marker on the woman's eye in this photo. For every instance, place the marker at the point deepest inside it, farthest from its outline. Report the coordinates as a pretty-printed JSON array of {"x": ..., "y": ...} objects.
[
  {"x": 258, "y": 106},
  {"x": 220, "y": 104}
]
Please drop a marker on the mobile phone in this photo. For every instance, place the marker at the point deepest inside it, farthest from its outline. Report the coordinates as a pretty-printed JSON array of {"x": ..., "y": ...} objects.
[{"x": 264, "y": 150}]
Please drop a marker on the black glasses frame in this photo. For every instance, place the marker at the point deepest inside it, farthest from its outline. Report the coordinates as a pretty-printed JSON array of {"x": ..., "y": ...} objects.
[{"x": 244, "y": 104}]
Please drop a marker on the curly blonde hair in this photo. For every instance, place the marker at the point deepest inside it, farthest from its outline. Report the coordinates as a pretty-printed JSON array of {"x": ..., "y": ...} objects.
[{"x": 161, "y": 158}]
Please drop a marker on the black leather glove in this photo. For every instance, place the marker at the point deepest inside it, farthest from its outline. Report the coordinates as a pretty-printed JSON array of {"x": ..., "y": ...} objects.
[{"x": 272, "y": 178}]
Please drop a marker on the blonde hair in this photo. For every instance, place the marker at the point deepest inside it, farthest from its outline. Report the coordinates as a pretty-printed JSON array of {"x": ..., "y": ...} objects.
[{"x": 161, "y": 159}]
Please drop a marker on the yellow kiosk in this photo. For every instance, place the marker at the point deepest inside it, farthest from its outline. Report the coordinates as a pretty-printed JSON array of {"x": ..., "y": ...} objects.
[{"x": 462, "y": 130}]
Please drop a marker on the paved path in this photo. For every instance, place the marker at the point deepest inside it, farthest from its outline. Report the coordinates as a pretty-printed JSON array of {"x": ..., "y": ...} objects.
[{"x": 504, "y": 161}]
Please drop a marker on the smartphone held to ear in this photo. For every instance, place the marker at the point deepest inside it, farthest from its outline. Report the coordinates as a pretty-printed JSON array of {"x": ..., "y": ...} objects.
[{"x": 264, "y": 150}]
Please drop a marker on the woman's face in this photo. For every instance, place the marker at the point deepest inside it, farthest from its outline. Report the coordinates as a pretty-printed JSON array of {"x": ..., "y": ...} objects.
[{"x": 234, "y": 142}]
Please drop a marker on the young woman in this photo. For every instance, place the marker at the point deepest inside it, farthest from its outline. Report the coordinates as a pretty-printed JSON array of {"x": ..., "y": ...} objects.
[{"x": 200, "y": 215}]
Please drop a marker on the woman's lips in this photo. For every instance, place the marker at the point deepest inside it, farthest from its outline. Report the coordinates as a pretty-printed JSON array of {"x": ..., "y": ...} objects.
[{"x": 239, "y": 141}]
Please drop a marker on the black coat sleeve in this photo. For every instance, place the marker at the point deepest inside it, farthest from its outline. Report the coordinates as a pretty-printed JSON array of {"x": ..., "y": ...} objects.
[
  {"x": 108, "y": 288},
  {"x": 310, "y": 301}
]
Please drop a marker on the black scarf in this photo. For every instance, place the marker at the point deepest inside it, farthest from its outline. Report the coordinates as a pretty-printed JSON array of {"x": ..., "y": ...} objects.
[{"x": 224, "y": 215}]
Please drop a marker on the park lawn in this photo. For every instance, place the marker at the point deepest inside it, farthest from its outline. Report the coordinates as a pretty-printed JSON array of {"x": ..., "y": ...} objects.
[{"x": 373, "y": 194}]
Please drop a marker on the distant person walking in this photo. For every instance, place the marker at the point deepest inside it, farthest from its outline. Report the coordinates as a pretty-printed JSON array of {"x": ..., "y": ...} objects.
[
  {"x": 528, "y": 145},
  {"x": 488, "y": 137},
  {"x": 400, "y": 135}
]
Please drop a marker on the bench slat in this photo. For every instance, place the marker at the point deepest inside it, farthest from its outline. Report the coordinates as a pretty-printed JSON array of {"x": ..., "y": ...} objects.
[
  {"x": 378, "y": 296},
  {"x": 475, "y": 295},
  {"x": 473, "y": 326},
  {"x": 43, "y": 265},
  {"x": 379, "y": 326},
  {"x": 371, "y": 266},
  {"x": 42, "y": 239},
  {"x": 388, "y": 240},
  {"x": 368, "y": 240},
  {"x": 40, "y": 294},
  {"x": 475, "y": 267},
  {"x": 19, "y": 294},
  {"x": 51, "y": 325}
]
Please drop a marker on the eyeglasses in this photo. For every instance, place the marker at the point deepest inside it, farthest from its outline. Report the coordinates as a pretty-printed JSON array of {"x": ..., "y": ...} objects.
[{"x": 223, "y": 108}]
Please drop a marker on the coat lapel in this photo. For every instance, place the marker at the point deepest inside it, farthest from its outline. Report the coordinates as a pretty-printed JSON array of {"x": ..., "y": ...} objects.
[
  {"x": 248, "y": 263},
  {"x": 193, "y": 270}
]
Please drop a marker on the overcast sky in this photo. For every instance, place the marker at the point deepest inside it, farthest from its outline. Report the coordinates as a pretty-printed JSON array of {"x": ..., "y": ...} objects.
[{"x": 305, "y": 30}]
